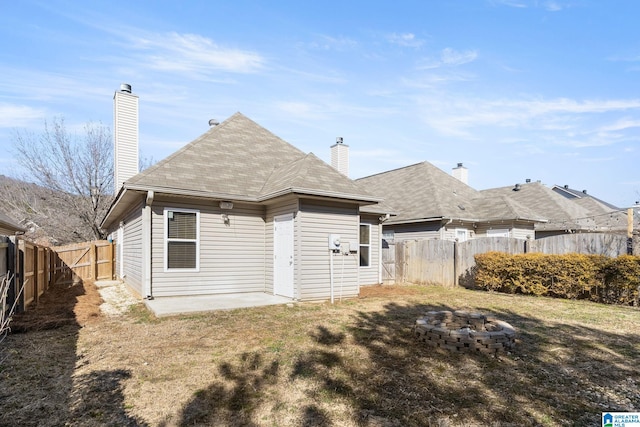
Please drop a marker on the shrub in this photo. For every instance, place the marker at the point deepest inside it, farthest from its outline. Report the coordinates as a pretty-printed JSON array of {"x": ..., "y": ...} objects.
[{"x": 572, "y": 276}]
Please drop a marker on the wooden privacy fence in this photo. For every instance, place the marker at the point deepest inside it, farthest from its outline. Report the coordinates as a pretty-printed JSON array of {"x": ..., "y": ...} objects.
[
  {"x": 37, "y": 267},
  {"x": 451, "y": 263},
  {"x": 83, "y": 261}
]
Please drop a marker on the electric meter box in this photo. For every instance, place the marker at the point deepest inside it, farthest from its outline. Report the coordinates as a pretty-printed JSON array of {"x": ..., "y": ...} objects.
[{"x": 334, "y": 242}]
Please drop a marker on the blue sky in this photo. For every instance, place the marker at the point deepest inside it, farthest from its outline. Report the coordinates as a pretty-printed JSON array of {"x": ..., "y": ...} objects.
[{"x": 514, "y": 89}]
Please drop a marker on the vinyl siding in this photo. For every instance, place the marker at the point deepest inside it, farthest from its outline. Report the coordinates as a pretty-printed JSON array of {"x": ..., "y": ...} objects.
[
  {"x": 132, "y": 247},
  {"x": 125, "y": 113},
  {"x": 415, "y": 231},
  {"x": 449, "y": 231},
  {"x": 272, "y": 211},
  {"x": 316, "y": 222},
  {"x": 232, "y": 257},
  {"x": 370, "y": 275},
  {"x": 517, "y": 230}
]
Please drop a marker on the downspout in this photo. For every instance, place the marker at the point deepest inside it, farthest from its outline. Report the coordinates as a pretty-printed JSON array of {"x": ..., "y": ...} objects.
[
  {"x": 380, "y": 253},
  {"x": 381, "y": 220},
  {"x": 146, "y": 245}
]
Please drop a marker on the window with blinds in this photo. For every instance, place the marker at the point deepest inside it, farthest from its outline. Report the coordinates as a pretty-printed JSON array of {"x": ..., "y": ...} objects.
[
  {"x": 181, "y": 243},
  {"x": 365, "y": 245}
]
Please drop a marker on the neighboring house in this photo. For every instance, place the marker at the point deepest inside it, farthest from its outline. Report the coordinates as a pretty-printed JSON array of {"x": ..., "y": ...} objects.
[
  {"x": 9, "y": 227},
  {"x": 241, "y": 210},
  {"x": 431, "y": 204},
  {"x": 607, "y": 217},
  {"x": 563, "y": 214},
  {"x": 584, "y": 199}
]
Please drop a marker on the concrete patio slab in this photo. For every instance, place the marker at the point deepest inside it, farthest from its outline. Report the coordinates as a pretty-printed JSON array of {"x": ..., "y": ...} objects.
[{"x": 171, "y": 306}]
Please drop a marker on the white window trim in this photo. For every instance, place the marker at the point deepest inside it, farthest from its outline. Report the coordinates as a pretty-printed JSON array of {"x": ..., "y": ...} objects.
[
  {"x": 466, "y": 234},
  {"x": 361, "y": 245},
  {"x": 166, "y": 240}
]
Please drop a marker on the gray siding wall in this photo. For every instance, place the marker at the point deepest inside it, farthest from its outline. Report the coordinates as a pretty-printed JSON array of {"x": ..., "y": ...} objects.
[
  {"x": 517, "y": 230},
  {"x": 232, "y": 257},
  {"x": 416, "y": 231},
  {"x": 317, "y": 221},
  {"x": 132, "y": 247},
  {"x": 371, "y": 275},
  {"x": 449, "y": 231},
  {"x": 287, "y": 207}
]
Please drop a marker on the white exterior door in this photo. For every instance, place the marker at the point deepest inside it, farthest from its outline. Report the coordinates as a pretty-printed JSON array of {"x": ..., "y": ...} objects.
[{"x": 283, "y": 255}]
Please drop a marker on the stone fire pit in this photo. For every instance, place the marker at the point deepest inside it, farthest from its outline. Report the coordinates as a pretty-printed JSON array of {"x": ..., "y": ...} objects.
[{"x": 464, "y": 331}]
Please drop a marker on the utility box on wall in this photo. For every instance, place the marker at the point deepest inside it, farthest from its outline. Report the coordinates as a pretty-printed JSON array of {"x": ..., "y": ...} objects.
[{"x": 334, "y": 242}]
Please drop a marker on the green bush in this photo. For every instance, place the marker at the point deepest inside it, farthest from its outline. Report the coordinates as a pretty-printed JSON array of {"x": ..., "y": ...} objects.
[
  {"x": 572, "y": 276},
  {"x": 622, "y": 281}
]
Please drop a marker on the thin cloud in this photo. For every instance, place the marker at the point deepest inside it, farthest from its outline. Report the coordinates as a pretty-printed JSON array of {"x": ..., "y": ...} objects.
[
  {"x": 192, "y": 53},
  {"x": 621, "y": 124},
  {"x": 13, "y": 116},
  {"x": 552, "y": 6},
  {"x": 325, "y": 42},
  {"x": 510, "y": 3},
  {"x": 450, "y": 58},
  {"x": 454, "y": 58},
  {"x": 405, "y": 40},
  {"x": 458, "y": 117}
]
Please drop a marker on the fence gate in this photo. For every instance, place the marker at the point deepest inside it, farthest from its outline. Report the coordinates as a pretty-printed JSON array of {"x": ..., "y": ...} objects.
[
  {"x": 388, "y": 262},
  {"x": 83, "y": 261}
]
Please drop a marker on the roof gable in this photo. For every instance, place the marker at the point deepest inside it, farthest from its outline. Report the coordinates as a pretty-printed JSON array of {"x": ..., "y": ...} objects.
[
  {"x": 234, "y": 158},
  {"x": 310, "y": 174},
  {"x": 421, "y": 191}
]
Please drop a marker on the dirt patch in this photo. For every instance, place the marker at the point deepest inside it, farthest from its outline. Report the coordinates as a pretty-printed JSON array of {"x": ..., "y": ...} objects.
[
  {"x": 61, "y": 305},
  {"x": 387, "y": 291}
]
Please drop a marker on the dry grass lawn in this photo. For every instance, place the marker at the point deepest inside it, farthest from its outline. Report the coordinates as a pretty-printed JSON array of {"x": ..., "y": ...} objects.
[{"x": 355, "y": 363}]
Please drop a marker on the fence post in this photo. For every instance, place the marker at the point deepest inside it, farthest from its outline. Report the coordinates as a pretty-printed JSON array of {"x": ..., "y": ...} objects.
[
  {"x": 94, "y": 261},
  {"x": 456, "y": 281},
  {"x": 19, "y": 280},
  {"x": 112, "y": 258}
]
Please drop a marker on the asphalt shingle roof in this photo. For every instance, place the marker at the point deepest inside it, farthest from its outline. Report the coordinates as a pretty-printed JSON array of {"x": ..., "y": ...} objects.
[
  {"x": 241, "y": 158},
  {"x": 422, "y": 191}
]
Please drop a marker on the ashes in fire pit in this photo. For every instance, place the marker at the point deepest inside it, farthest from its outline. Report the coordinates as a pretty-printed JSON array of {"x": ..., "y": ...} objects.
[{"x": 464, "y": 331}]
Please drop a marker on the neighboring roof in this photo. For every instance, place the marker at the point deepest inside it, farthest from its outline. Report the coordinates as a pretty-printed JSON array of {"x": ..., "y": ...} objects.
[
  {"x": 561, "y": 213},
  {"x": 240, "y": 160},
  {"x": 577, "y": 195},
  {"x": 421, "y": 191},
  {"x": 8, "y": 223},
  {"x": 493, "y": 207}
]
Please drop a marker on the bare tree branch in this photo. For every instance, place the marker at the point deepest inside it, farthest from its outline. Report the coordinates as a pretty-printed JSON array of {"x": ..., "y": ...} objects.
[{"x": 78, "y": 169}]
